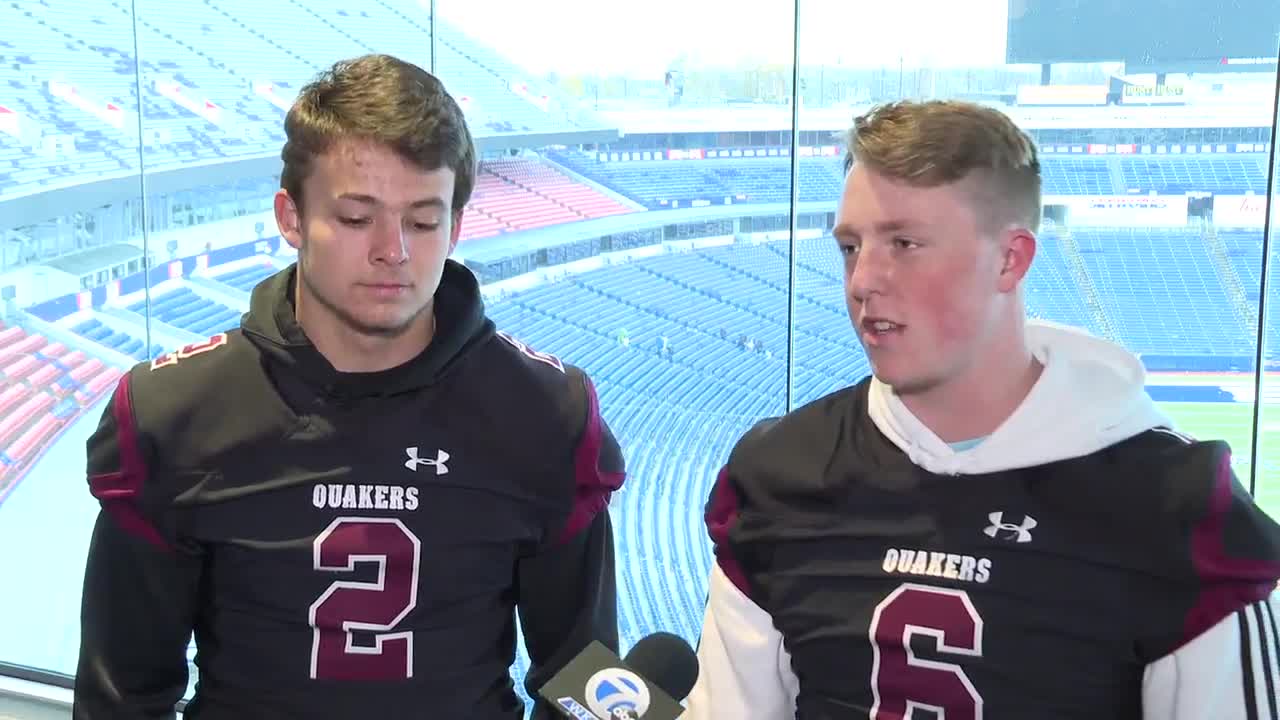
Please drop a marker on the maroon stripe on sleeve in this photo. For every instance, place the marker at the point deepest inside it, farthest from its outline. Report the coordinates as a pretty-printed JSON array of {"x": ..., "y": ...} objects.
[
  {"x": 721, "y": 517},
  {"x": 593, "y": 485},
  {"x": 120, "y": 492},
  {"x": 1227, "y": 583}
]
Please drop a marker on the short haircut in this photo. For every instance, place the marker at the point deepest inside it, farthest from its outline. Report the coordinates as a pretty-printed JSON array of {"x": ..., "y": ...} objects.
[
  {"x": 938, "y": 142},
  {"x": 384, "y": 100}
]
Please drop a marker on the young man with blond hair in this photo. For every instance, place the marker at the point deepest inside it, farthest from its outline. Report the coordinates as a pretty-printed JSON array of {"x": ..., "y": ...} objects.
[{"x": 998, "y": 523}]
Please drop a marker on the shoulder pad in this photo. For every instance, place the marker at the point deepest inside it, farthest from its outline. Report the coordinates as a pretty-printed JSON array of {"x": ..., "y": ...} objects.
[
  {"x": 550, "y": 413},
  {"x": 540, "y": 383},
  {"x": 132, "y": 456},
  {"x": 777, "y": 469},
  {"x": 202, "y": 398},
  {"x": 188, "y": 368},
  {"x": 528, "y": 354},
  {"x": 1212, "y": 548},
  {"x": 783, "y": 459},
  {"x": 182, "y": 380}
]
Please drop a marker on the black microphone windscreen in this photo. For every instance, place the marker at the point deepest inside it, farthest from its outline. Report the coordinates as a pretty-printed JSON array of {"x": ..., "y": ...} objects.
[{"x": 667, "y": 661}]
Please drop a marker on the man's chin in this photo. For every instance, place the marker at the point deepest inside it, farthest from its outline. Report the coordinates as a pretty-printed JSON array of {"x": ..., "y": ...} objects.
[
  {"x": 383, "y": 324},
  {"x": 901, "y": 383}
]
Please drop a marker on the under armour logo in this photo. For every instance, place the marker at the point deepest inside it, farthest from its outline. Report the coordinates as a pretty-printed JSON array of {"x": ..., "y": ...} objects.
[
  {"x": 1017, "y": 533},
  {"x": 438, "y": 462}
]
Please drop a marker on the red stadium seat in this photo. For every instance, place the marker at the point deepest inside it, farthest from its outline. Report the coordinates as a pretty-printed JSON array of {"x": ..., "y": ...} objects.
[
  {"x": 35, "y": 437},
  {"x": 524, "y": 194},
  {"x": 72, "y": 359},
  {"x": 20, "y": 368},
  {"x": 85, "y": 370},
  {"x": 31, "y": 344},
  {"x": 11, "y": 397},
  {"x": 102, "y": 381},
  {"x": 44, "y": 377},
  {"x": 11, "y": 335},
  {"x": 21, "y": 415},
  {"x": 54, "y": 350},
  {"x": 8, "y": 476}
]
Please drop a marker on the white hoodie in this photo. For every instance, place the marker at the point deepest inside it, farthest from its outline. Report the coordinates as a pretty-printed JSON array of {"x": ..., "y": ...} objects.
[{"x": 1090, "y": 396}]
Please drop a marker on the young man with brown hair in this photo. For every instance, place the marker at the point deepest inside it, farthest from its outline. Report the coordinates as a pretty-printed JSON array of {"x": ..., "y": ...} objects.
[
  {"x": 998, "y": 523},
  {"x": 349, "y": 498}
]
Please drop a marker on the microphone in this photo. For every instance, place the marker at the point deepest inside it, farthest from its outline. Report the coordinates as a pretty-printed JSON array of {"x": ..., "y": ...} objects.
[{"x": 598, "y": 685}]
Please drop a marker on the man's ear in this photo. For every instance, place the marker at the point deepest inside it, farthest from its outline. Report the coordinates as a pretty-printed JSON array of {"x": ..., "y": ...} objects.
[
  {"x": 288, "y": 219},
  {"x": 1017, "y": 250}
]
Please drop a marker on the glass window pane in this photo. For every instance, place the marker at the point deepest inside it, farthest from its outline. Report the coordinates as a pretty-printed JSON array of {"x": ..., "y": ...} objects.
[
  {"x": 659, "y": 268},
  {"x": 68, "y": 236},
  {"x": 1249, "y": 216},
  {"x": 1147, "y": 206}
]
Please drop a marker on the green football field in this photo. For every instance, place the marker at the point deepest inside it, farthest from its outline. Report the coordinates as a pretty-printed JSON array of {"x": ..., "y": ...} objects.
[{"x": 1233, "y": 422}]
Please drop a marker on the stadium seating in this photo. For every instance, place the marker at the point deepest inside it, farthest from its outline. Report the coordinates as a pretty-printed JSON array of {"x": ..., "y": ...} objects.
[
  {"x": 1119, "y": 262},
  {"x": 43, "y": 389},
  {"x": 1244, "y": 253},
  {"x": 1052, "y": 292},
  {"x": 513, "y": 195},
  {"x": 1230, "y": 175},
  {"x": 212, "y": 54},
  {"x": 667, "y": 183},
  {"x": 660, "y": 183},
  {"x": 205, "y": 63},
  {"x": 183, "y": 308},
  {"x": 244, "y": 279},
  {"x": 93, "y": 329},
  {"x": 721, "y": 312},
  {"x": 1076, "y": 176}
]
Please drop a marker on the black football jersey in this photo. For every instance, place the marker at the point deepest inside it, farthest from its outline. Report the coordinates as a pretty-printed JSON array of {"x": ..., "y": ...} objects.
[
  {"x": 345, "y": 545},
  {"x": 1042, "y": 592}
]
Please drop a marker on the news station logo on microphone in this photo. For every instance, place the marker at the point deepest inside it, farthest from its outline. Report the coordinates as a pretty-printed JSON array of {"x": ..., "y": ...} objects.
[
  {"x": 647, "y": 685},
  {"x": 617, "y": 694}
]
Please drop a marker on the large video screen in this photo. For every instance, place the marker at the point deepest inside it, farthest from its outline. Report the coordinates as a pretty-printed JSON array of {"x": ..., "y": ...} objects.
[{"x": 1141, "y": 31}]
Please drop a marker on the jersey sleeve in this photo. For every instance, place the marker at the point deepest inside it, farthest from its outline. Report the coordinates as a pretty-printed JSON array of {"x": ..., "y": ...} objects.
[
  {"x": 1223, "y": 655},
  {"x": 744, "y": 669},
  {"x": 567, "y": 588},
  {"x": 140, "y": 583},
  {"x": 1229, "y": 672}
]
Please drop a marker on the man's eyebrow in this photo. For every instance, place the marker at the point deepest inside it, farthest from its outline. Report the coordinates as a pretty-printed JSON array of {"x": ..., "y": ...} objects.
[
  {"x": 435, "y": 202},
  {"x": 843, "y": 232}
]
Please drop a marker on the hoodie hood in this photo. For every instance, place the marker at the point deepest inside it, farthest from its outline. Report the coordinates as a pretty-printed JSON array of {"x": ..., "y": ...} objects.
[
  {"x": 271, "y": 325},
  {"x": 1090, "y": 395}
]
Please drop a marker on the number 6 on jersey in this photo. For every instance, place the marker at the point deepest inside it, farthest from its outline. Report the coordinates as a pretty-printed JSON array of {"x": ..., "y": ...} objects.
[
  {"x": 902, "y": 682},
  {"x": 373, "y": 607}
]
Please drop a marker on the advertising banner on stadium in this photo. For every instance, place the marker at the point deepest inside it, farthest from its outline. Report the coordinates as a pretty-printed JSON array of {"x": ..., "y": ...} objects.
[
  {"x": 1245, "y": 211},
  {"x": 1154, "y": 95},
  {"x": 1123, "y": 210}
]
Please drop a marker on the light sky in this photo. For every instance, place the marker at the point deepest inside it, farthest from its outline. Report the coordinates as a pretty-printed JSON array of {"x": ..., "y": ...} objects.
[{"x": 642, "y": 38}]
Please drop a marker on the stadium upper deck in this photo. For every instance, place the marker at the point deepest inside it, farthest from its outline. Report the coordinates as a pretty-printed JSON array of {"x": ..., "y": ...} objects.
[{"x": 218, "y": 75}]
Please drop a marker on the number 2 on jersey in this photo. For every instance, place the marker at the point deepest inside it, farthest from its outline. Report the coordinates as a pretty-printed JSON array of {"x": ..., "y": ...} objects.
[
  {"x": 900, "y": 681},
  {"x": 372, "y": 607}
]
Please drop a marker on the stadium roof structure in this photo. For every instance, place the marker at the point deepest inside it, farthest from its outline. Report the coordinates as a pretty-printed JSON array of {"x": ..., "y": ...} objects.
[
  {"x": 89, "y": 261},
  {"x": 762, "y": 117},
  {"x": 496, "y": 249}
]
